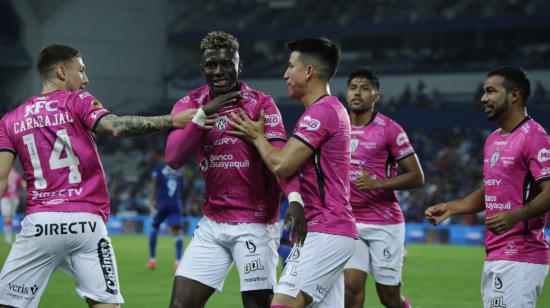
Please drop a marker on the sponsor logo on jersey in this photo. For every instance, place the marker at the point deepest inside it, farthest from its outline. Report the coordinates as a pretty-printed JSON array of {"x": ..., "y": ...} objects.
[
  {"x": 510, "y": 249},
  {"x": 107, "y": 266},
  {"x": 23, "y": 289},
  {"x": 255, "y": 279},
  {"x": 272, "y": 120},
  {"x": 492, "y": 182},
  {"x": 543, "y": 155},
  {"x": 309, "y": 123},
  {"x": 498, "y": 281},
  {"x": 387, "y": 253},
  {"x": 35, "y": 108},
  {"x": 64, "y": 228},
  {"x": 255, "y": 265},
  {"x": 494, "y": 158},
  {"x": 97, "y": 104},
  {"x": 250, "y": 246},
  {"x": 497, "y": 302},
  {"x": 401, "y": 139}
]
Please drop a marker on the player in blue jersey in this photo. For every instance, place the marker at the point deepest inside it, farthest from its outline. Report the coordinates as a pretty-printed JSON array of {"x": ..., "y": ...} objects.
[
  {"x": 285, "y": 245},
  {"x": 166, "y": 198}
]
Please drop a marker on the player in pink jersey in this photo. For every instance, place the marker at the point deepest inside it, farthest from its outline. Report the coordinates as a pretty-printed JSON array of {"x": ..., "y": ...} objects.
[
  {"x": 378, "y": 146},
  {"x": 515, "y": 195},
  {"x": 242, "y": 196},
  {"x": 67, "y": 198},
  {"x": 319, "y": 151},
  {"x": 10, "y": 201}
]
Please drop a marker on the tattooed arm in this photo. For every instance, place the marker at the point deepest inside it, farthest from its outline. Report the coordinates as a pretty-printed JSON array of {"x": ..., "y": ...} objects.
[{"x": 125, "y": 126}]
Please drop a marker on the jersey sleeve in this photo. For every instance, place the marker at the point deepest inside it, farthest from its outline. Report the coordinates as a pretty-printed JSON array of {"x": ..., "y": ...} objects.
[
  {"x": 538, "y": 156},
  {"x": 182, "y": 142},
  {"x": 314, "y": 126},
  {"x": 183, "y": 104},
  {"x": 274, "y": 128},
  {"x": 398, "y": 142},
  {"x": 88, "y": 109},
  {"x": 6, "y": 144}
]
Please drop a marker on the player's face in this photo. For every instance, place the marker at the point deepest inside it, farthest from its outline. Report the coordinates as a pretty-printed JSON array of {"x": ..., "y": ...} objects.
[
  {"x": 494, "y": 100},
  {"x": 295, "y": 76},
  {"x": 221, "y": 68},
  {"x": 75, "y": 74},
  {"x": 361, "y": 95}
]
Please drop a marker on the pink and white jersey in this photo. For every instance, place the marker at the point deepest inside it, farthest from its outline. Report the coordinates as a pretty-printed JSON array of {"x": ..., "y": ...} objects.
[
  {"x": 513, "y": 164},
  {"x": 377, "y": 147},
  {"x": 324, "y": 179},
  {"x": 239, "y": 186},
  {"x": 52, "y": 134},
  {"x": 12, "y": 185}
]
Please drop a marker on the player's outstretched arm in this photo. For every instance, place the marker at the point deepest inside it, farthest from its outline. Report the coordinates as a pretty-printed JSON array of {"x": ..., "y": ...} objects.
[
  {"x": 6, "y": 163},
  {"x": 504, "y": 221},
  {"x": 473, "y": 203},
  {"x": 126, "y": 126}
]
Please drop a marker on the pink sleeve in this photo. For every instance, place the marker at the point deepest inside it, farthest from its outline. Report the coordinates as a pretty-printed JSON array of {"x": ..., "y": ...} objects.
[
  {"x": 291, "y": 184},
  {"x": 88, "y": 109},
  {"x": 314, "y": 126},
  {"x": 398, "y": 142},
  {"x": 538, "y": 156},
  {"x": 5, "y": 141},
  {"x": 274, "y": 128},
  {"x": 182, "y": 142}
]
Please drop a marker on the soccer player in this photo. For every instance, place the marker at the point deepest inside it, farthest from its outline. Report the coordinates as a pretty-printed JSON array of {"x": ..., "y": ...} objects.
[
  {"x": 378, "y": 146},
  {"x": 515, "y": 195},
  {"x": 240, "y": 223},
  {"x": 319, "y": 150},
  {"x": 67, "y": 198},
  {"x": 10, "y": 202},
  {"x": 166, "y": 199}
]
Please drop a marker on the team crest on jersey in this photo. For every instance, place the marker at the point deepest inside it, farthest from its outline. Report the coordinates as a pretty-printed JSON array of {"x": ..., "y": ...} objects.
[
  {"x": 494, "y": 158},
  {"x": 221, "y": 122},
  {"x": 353, "y": 143}
]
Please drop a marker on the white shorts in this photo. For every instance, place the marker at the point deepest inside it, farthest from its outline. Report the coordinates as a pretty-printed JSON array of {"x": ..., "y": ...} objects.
[
  {"x": 379, "y": 252},
  {"x": 8, "y": 206},
  {"x": 76, "y": 243},
  {"x": 317, "y": 269},
  {"x": 216, "y": 246},
  {"x": 512, "y": 284}
]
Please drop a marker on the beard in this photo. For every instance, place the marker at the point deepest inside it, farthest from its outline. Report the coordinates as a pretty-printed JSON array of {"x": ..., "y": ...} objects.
[{"x": 498, "y": 110}]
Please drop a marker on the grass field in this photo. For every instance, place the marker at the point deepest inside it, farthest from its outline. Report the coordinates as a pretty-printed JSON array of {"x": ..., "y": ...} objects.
[{"x": 434, "y": 276}]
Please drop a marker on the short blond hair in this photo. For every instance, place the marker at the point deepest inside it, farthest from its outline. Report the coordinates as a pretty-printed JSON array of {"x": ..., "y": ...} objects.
[{"x": 219, "y": 40}]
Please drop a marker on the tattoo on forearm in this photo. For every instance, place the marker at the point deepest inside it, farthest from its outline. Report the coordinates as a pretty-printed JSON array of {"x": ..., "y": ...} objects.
[{"x": 137, "y": 125}]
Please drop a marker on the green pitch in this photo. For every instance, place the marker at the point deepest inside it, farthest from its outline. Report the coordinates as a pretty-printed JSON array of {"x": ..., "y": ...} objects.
[{"x": 434, "y": 276}]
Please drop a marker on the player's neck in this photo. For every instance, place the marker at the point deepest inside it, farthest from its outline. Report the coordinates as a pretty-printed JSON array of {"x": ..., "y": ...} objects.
[
  {"x": 315, "y": 92},
  {"x": 51, "y": 86},
  {"x": 511, "y": 120},
  {"x": 361, "y": 119}
]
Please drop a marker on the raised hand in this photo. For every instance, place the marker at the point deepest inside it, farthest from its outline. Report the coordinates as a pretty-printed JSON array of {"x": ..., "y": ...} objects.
[{"x": 221, "y": 101}]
